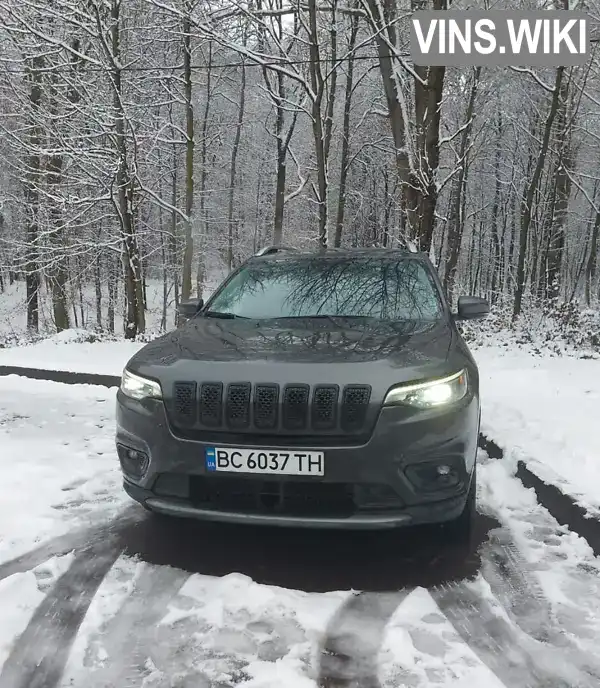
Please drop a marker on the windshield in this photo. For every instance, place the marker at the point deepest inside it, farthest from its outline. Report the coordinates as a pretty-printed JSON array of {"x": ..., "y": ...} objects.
[{"x": 385, "y": 289}]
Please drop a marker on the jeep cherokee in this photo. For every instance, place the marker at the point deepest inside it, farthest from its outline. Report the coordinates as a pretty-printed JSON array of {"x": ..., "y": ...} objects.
[{"x": 326, "y": 389}]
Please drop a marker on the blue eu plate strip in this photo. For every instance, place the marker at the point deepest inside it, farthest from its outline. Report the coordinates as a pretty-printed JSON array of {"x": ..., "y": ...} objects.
[{"x": 211, "y": 459}]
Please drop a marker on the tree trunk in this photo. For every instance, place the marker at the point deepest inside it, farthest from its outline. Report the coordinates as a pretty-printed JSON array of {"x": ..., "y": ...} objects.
[
  {"x": 417, "y": 174},
  {"x": 317, "y": 85},
  {"x": 497, "y": 247},
  {"x": 345, "y": 155},
  {"x": 232, "y": 173},
  {"x": 530, "y": 192},
  {"x": 134, "y": 312},
  {"x": 173, "y": 243},
  {"x": 200, "y": 272},
  {"x": 173, "y": 237},
  {"x": 58, "y": 273},
  {"x": 112, "y": 286},
  {"x": 281, "y": 166},
  {"x": 428, "y": 102},
  {"x": 562, "y": 193},
  {"x": 32, "y": 197},
  {"x": 80, "y": 273},
  {"x": 188, "y": 252},
  {"x": 165, "y": 281},
  {"x": 98, "y": 290},
  {"x": 456, "y": 219},
  {"x": 591, "y": 265}
]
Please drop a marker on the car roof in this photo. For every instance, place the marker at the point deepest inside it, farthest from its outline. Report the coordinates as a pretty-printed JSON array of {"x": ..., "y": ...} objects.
[{"x": 287, "y": 253}]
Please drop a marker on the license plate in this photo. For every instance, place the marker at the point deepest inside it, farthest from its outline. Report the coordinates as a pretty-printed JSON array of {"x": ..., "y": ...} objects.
[{"x": 265, "y": 461}]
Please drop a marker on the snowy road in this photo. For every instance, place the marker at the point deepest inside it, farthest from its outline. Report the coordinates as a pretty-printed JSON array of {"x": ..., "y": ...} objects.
[{"x": 94, "y": 593}]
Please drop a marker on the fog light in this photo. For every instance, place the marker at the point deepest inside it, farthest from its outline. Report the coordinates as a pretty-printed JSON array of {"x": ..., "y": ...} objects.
[
  {"x": 133, "y": 461},
  {"x": 431, "y": 477}
]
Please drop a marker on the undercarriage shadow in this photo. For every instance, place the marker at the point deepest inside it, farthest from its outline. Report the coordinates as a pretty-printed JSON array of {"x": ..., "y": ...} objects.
[{"x": 310, "y": 560}]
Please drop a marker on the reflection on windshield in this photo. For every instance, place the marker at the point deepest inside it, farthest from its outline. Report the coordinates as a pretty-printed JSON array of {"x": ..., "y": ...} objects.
[{"x": 384, "y": 289}]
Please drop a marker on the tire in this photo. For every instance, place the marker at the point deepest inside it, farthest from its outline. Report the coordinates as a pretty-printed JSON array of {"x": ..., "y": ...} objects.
[{"x": 460, "y": 530}]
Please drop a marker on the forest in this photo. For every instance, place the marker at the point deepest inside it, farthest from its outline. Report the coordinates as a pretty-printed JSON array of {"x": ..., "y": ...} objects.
[{"x": 165, "y": 141}]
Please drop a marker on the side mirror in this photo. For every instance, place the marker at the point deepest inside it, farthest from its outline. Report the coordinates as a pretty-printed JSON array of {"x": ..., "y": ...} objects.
[
  {"x": 472, "y": 307},
  {"x": 189, "y": 309}
]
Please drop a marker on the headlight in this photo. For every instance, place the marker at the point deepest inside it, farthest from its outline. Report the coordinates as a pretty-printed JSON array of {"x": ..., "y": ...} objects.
[
  {"x": 423, "y": 395},
  {"x": 137, "y": 387}
]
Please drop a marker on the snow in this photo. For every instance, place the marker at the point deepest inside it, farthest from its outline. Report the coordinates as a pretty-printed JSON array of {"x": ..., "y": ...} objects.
[
  {"x": 102, "y": 358},
  {"x": 559, "y": 574},
  {"x": 57, "y": 460},
  {"x": 421, "y": 645},
  {"x": 20, "y": 596},
  {"x": 212, "y": 629},
  {"x": 543, "y": 409}
]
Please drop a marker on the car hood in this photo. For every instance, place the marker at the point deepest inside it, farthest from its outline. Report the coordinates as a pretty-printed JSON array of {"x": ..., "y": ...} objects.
[{"x": 317, "y": 349}]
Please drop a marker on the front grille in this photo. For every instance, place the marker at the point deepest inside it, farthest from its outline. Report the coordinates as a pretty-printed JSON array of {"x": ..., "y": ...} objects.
[
  {"x": 354, "y": 406},
  {"x": 324, "y": 407},
  {"x": 270, "y": 410},
  {"x": 185, "y": 402},
  {"x": 237, "y": 406},
  {"x": 265, "y": 406},
  {"x": 295, "y": 407},
  {"x": 211, "y": 396}
]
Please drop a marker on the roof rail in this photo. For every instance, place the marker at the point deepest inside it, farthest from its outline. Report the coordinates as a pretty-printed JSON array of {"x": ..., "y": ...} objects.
[{"x": 268, "y": 250}]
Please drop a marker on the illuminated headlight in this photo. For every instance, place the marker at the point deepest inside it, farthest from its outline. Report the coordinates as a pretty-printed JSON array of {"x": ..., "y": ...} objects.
[
  {"x": 423, "y": 395},
  {"x": 137, "y": 387}
]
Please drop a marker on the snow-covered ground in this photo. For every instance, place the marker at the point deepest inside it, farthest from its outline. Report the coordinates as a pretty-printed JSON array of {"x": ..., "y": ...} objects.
[
  {"x": 71, "y": 351},
  {"x": 56, "y": 460},
  {"x": 82, "y": 611},
  {"x": 543, "y": 410}
]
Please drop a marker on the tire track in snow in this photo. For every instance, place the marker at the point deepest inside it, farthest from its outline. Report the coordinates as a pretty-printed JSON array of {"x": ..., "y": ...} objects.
[
  {"x": 521, "y": 596},
  {"x": 127, "y": 638},
  {"x": 353, "y": 639},
  {"x": 39, "y": 656},
  {"x": 74, "y": 540},
  {"x": 507, "y": 573},
  {"x": 562, "y": 508},
  {"x": 513, "y": 656}
]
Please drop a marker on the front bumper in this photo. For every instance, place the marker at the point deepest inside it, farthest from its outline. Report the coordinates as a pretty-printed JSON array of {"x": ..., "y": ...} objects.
[{"x": 373, "y": 485}]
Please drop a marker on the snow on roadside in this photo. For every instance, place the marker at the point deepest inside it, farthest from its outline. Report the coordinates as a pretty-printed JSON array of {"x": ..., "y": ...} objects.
[
  {"x": 57, "y": 460},
  {"x": 70, "y": 351},
  {"x": 560, "y": 565},
  {"x": 544, "y": 410}
]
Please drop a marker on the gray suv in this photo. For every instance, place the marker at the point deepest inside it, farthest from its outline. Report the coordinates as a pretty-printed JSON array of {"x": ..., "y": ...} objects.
[{"x": 329, "y": 389}]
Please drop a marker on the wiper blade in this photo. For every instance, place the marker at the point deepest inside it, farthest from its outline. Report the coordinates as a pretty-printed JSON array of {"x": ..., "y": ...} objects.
[{"x": 223, "y": 316}]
